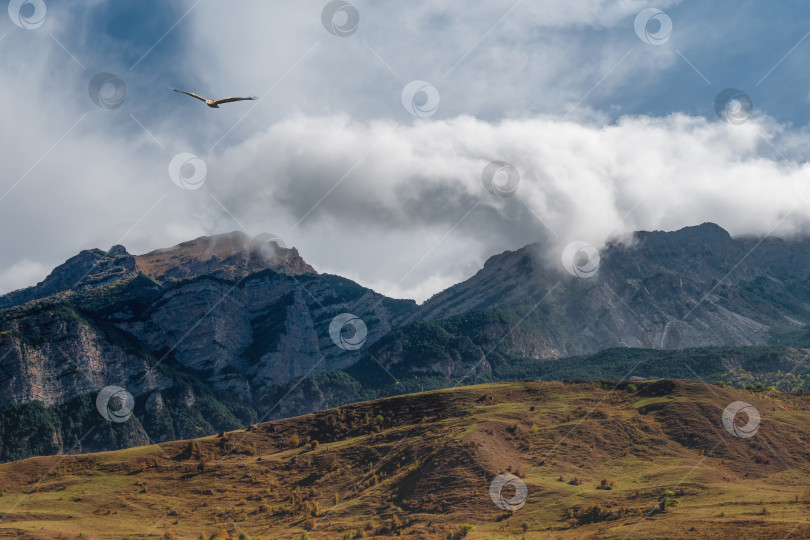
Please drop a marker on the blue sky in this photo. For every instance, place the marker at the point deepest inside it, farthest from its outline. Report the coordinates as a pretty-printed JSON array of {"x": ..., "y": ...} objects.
[
  {"x": 733, "y": 43},
  {"x": 609, "y": 134}
]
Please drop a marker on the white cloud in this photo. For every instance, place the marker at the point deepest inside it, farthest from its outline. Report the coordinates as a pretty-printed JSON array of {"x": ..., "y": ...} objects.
[
  {"x": 405, "y": 189},
  {"x": 22, "y": 273}
]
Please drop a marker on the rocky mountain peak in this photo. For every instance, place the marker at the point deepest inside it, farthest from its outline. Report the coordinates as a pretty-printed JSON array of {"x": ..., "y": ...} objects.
[
  {"x": 89, "y": 268},
  {"x": 229, "y": 256},
  {"x": 692, "y": 287},
  {"x": 694, "y": 236},
  {"x": 117, "y": 250}
]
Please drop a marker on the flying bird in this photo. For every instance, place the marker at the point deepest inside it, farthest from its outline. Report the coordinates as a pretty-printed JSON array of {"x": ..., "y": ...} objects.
[{"x": 214, "y": 103}]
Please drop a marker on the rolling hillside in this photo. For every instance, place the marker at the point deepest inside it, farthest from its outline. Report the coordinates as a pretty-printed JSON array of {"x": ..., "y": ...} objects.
[{"x": 595, "y": 459}]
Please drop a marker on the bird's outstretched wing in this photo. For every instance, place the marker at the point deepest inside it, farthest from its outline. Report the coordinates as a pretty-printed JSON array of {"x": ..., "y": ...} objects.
[
  {"x": 230, "y": 99},
  {"x": 190, "y": 94}
]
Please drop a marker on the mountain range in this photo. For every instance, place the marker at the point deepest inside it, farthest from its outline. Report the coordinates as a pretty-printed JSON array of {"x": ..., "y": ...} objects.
[{"x": 219, "y": 332}]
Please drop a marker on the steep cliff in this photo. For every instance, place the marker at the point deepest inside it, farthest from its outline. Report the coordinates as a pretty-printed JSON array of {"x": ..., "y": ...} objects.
[
  {"x": 209, "y": 325},
  {"x": 695, "y": 287}
]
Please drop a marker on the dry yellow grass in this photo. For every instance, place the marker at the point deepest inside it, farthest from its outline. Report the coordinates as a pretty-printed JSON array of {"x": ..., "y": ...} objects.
[{"x": 421, "y": 466}]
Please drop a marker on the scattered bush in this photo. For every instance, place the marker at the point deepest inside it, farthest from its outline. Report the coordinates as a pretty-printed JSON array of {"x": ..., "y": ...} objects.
[
  {"x": 191, "y": 451},
  {"x": 330, "y": 462},
  {"x": 606, "y": 484},
  {"x": 631, "y": 388},
  {"x": 295, "y": 440},
  {"x": 666, "y": 500},
  {"x": 249, "y": 450},
  {"x": 761, "y": 458},
  {"x": 591, "y": 514},
  {"x": 460, "y": 533}
]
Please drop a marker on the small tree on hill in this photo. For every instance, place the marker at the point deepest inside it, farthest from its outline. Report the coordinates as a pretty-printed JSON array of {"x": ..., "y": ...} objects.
[
  {"x": 666, "y": 500},
  {"x": 295, "y": 440}
]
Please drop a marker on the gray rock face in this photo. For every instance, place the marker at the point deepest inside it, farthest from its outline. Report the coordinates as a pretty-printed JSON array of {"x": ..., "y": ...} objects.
[
  {"x": 690, "y": 288},
  {"x": 267, "y": 329},
  {"x": 243, "y": 317},
  {"x": 52, "y": 358},
  {"x": 90, "y": 268}
]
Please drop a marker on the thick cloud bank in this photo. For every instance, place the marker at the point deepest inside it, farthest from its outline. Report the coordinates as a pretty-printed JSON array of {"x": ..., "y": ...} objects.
[{"x": 421, "y": 184}]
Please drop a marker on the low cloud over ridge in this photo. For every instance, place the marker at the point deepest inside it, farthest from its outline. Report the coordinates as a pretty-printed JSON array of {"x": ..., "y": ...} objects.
[{"x": 593, "y": 182}]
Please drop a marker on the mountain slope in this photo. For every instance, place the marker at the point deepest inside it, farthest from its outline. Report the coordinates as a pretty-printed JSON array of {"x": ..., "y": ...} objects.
[
  {"x": 755, "y": 368},
  {"x": 217, "y": 320},
  {"x": 220, "y": 331},
  {"x": 695, "y": 287},
  {"x": 421, "y": 466}
]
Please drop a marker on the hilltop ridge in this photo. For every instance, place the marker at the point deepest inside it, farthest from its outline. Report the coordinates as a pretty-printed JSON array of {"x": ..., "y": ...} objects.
[{"x": 594, "y": 458}]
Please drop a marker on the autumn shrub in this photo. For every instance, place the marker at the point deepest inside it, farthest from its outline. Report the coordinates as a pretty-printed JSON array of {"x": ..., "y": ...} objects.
[
  {"x": 592, "y": 514},
  {"x": 666, "y": 500},
  {"x": 330, "y": 462},
  {"x": 606, "y": 484}
]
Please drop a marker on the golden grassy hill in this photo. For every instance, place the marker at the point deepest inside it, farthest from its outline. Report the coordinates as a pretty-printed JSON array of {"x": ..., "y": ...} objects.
[{"x": 421, "y": 466}]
